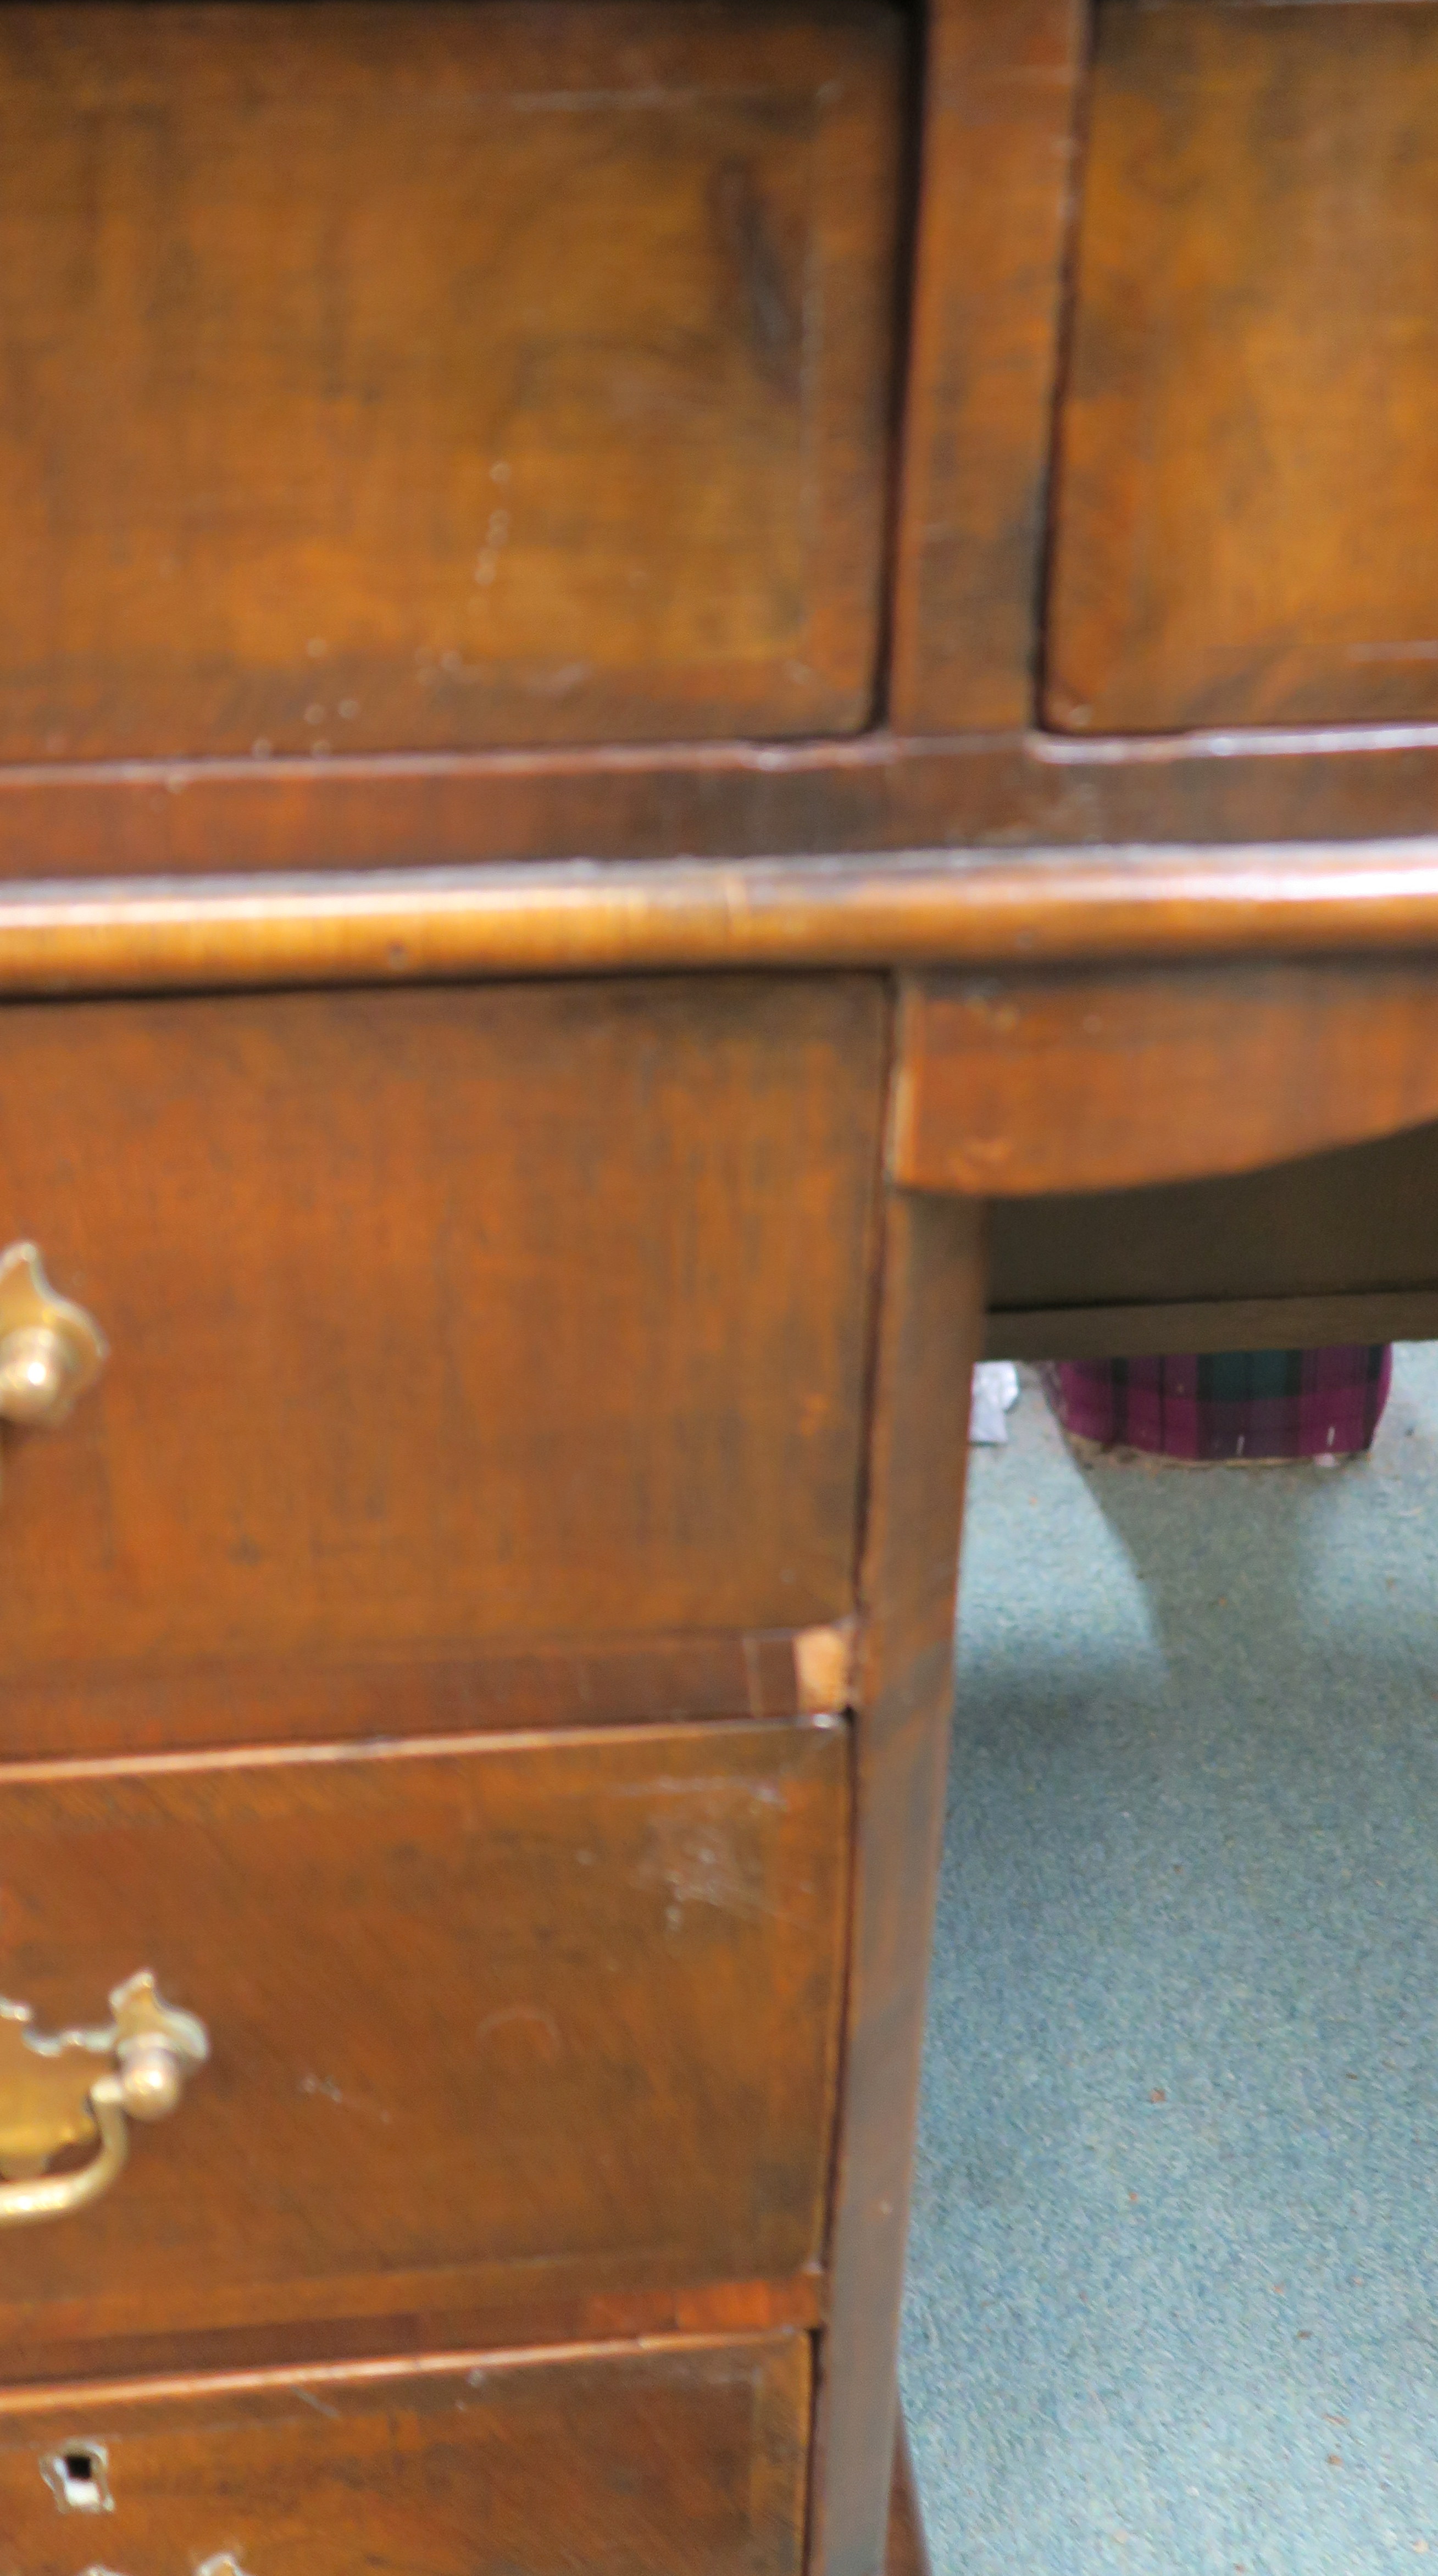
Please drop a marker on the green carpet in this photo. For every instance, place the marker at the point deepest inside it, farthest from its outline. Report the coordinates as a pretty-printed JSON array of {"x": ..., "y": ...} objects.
[{"x": 1174, "y": 2280}]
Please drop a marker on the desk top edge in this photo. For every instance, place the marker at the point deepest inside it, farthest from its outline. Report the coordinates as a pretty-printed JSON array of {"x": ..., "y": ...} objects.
[{"x": 915, "y": 910}]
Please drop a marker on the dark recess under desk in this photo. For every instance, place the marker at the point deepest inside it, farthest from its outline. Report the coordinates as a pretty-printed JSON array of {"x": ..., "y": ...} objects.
[{"x": 1342, "y": 1247}]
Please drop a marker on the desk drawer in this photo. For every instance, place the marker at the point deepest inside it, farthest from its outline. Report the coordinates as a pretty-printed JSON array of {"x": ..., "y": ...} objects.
[
  {"x": 668, "y": 2463},
  {"x": 429, "y": 376},
  {"x": 492, "y": 2025},
  {"x": 1245, "y": 475},
  {"x": 438, "y": 1319}
]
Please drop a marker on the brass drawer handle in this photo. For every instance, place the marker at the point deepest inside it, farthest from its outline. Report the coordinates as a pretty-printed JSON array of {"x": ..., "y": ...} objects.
[
  {"x": 51, "y": 2096},
  {"x": 50, "y": 1350}
]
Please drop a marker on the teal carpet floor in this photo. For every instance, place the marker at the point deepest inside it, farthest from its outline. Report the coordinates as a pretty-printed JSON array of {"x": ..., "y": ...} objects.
[{"x": 1174, "y": 2282}]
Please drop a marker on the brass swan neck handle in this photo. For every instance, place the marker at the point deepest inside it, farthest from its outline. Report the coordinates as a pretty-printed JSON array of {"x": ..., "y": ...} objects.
[
  {"x": 54, "y": 2095},
  {"x": 50, "y": 1349}
]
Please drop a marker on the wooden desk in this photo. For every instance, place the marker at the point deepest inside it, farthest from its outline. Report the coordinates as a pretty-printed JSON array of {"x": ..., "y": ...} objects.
[
  {"x": 610, "y": 800},
  {"x": 638, "y": 1921}
]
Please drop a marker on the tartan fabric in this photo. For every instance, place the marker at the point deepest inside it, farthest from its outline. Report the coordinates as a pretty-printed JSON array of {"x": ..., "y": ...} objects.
[{"x": 1229, "y": 1404}]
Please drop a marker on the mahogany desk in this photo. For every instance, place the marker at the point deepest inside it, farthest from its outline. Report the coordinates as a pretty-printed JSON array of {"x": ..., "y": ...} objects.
[
  {"x": 565, "y": 1987},
  {"x": 686, "y": 693}
]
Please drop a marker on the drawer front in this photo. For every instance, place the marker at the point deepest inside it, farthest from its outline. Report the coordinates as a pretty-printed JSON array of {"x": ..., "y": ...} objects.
[
  {"x": 393, "y": 377},
  {"x": 438, "y": 1319},
  {"x": 493, "y": 2025},
  {"x": 1246, "y": 469},
  {"x": 680, "y": 2462}
]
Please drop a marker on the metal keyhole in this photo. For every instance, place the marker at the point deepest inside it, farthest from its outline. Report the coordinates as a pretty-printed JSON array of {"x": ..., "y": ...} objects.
[{"x": 78, "y": 2477}]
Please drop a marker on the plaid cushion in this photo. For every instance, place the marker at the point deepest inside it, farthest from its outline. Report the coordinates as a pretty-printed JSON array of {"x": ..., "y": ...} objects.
[{"x": 1229, "y": 1404}]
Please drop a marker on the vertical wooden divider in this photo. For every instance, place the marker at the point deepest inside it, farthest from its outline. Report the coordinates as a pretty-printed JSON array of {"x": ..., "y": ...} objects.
[
  {"x": 1003, "y": 94},
  {"x": 930, "y": 1333}
]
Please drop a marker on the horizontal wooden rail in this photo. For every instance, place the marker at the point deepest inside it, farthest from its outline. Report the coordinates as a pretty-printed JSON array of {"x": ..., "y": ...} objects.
[
  {"x": 1211, "y": 1324},
  {"x": 723, "y": 800},
  {"x": 1031, "y": 909}
]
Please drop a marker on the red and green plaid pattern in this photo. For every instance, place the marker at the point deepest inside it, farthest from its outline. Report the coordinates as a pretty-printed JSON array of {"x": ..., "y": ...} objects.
[{"x": 1229, "y": 1404}]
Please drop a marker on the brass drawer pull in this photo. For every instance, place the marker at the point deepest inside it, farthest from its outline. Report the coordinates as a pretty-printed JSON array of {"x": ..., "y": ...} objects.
[
  {"x": 50, "y": 1350},
  {"x": 51, "y": 2096}
]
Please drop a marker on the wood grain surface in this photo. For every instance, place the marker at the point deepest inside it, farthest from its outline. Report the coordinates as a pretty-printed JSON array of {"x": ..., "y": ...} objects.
[
  {"x": 1246, "y": 459},
  {"x": 1012, "y": 1088},
  {"x": 1339, "y": 1247},
  {"x": 930, "y": 1333},
  {"x": 490, "y": 2019},
  {"x": 413, "y": 1688},
  {"x": 926, "y": 908},
  {"x": 1223, "y": 1324},
  {"x": 387, "y": 376},
  {"x": 1359, "y": 1223},
  {"x": 530, "y": 2319},
  {"x": 1001, "y": 102},
  {"x": 441, "y": 1322},
  {"x": 877, "y": 792},
  {"x": 687, "y": 2461}
]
